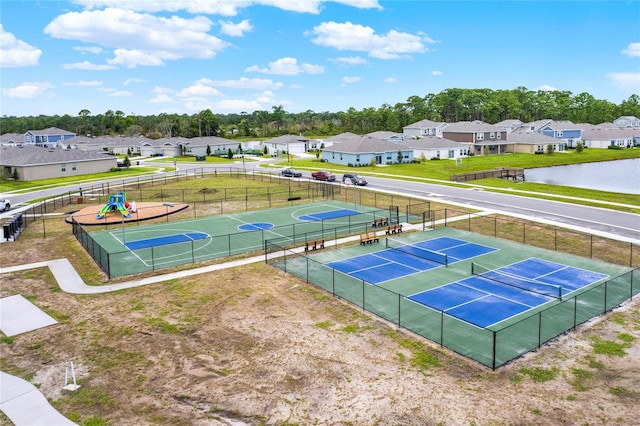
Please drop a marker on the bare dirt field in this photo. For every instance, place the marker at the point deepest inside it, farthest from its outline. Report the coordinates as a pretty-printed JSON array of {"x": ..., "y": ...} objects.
[{"x": 254, "y": 346}]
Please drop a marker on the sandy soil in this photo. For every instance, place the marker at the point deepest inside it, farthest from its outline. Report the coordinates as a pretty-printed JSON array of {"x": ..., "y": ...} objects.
[{"x": 253, "y": 346}]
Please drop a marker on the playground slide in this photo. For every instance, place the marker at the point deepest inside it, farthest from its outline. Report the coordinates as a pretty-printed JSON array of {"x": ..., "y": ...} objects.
[
  {"x": 122, "y": 209},
  {"x": 103, "y": 211},
  {"x": 112, "y": 206}
]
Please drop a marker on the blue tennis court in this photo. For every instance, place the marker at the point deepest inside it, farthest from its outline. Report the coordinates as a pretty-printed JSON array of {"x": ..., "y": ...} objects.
[
  {"x": 331, "y": 214},
  {"x": 406, "y": 259},
  {"x": 493, "y": 295},
  {"x": 165, "y": 240}
]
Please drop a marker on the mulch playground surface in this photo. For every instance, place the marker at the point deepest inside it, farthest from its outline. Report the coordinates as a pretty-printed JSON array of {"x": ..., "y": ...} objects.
[{"x": 144, "y": 211}]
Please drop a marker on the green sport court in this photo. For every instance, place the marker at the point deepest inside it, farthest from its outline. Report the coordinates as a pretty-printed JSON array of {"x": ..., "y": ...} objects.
[
  {"x": 135, "y": 249},
  {"x": 489, "y": 299}
]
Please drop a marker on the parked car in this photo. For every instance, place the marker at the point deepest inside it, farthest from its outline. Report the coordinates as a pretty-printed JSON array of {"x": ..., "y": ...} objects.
[
  {"x": 5, "y": 205},
  {"x": 290, "y": 173},
  {"x": 355, "y": 179},
  {"x": 323, "y": 175}
]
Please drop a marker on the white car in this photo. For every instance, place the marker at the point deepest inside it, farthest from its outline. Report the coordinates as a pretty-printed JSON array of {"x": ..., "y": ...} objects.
[{"x": 5, "y": 205}]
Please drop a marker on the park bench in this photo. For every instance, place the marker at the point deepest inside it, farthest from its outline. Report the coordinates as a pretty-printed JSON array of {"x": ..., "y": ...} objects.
[
  {"x": 394, "y": 229},
  {"x": 368, "y": 238},
  {"x": 313, "y": 245},
  {"x": 380, "y": 222}
]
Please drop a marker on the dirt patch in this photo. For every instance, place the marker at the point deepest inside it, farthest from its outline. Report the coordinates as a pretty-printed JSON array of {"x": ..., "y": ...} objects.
[{"x": 255, "y": 346}]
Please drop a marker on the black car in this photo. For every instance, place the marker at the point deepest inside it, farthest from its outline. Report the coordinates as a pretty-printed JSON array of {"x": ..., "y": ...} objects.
[
  {"x": 291, "y": 173},
  {"x": 354, "y": 179}
]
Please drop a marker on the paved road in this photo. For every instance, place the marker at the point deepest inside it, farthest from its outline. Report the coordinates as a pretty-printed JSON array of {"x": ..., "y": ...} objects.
[{"x": 600, "y": 221}]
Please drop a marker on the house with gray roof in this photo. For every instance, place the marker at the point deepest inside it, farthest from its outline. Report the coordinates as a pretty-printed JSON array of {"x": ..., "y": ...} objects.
[
  {"x": 360, "y": 151},
  {"x": 292, "y": 144},
  {"x": 627, "y": 122},
  {"x": 12, "y": 139},
  {"x": 48, "y": 138},
  {"x": 34, "y": 162},
  {"x": 484, "y": 138},
  {"x": 566, "y": 131},
  {"x": 509, "y": 125},
  {"x": 606, "y": 137},
  {"x": 525, "y": 141},
  {"x": 423, "y": 128},
  {"x": 433, "y": 147},
  {"x": 387, "y": 136}
]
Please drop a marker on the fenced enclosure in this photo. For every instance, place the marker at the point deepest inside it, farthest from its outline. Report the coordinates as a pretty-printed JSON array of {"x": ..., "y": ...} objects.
[
  {"x": 263, "y": 190},
  {"x": 540, "y": 235},
  {"x": 492, "y": 346},
  {"x": 219, "y": 238}
]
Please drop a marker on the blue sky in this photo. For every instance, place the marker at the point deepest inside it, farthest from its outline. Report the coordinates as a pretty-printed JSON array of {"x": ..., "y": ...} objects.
[{"x": 148, "y": 57}]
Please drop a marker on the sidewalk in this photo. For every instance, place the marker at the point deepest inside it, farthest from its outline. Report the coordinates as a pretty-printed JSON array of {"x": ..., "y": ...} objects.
[{"x": 25, "y": 405}]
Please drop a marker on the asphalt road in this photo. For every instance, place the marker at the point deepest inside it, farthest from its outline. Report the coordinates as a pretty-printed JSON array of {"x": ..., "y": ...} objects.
[{"x": 599, "y": 221}]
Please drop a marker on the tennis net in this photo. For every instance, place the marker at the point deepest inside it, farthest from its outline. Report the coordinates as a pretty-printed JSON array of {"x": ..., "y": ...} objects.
[
  {"x": 413, "y": 250},
  {"x": 549, "y": 290}
]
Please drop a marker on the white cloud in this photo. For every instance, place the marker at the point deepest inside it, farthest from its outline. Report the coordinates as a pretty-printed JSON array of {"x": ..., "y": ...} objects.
[
  {"x": 161, "y": 99},
  {"x": 243, "y": 83},
  {"x": 546, "y": 88},
  {"x": 89, "y": 83},
  {"x": 287, "y": 66},
  {"x": 235, "y": 105},
  {"x": 139, "y": 37},
  {"x": 16, "y": 53},
  {"x": 87, "y": 66},
  {"x": 28, "y": 90},
  {"x": 224, "y": 8},
  {"x": 350, "y": 80},
  {"x": 348, "y": 36},
  {"x": 436, "y": 72},
  {"x": 625, "y": 80},
  {"x": 632, "y": 50},
  {"x": 390, "y": 80},
  {"x": 134, "y": 58},
  {"x": 198, "y": 90},
  {"x": 120, "y": 93},
  {"x": 89, "y": 49},
  {"x": 163, "y": 95},
  {"x": 349, "y": 60},
  {"x": 235, "y": 30},
  {"x": 131, "y": 80}
]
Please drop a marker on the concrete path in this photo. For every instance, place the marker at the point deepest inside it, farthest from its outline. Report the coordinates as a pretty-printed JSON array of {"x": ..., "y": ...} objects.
[{"x": 25, "y": 405}]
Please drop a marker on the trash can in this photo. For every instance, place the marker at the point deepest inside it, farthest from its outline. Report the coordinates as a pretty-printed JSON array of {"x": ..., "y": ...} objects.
[
  {"x": 80, "y": 200},
  {"x": 138, "y": 163}
]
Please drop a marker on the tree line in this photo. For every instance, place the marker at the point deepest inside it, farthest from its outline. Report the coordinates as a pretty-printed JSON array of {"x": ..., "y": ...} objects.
[{"x": 450, "y": 105}]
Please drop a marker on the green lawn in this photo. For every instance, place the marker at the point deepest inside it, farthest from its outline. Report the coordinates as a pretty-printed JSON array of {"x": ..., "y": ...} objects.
[
  {"x": 25, "y": 186},
  {"x": 439, "y": 171}
]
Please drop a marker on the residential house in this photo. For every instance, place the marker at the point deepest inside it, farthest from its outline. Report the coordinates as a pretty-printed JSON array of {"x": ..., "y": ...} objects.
[
  {"x": 360, "y": 151},
  {"x": 217, "y": 146},
  {"x": 433, "y": 147},
  {"x": 291, "y": 144},
  {"x": 34, "y": 162},
  {"x": 387, "y": 136},
  {"x": 12, "y": 139},
  {"x": 48, "y": 138},
  {"x": 566, "y": 131},
  {"x": 627, "y": 122},
  {"x": 525, "y": 141},
  {"x": 484, "y": 138},
  {"x": 509, "y": 125},
  {"x": 606, "y": 137},
  {"x": 423, "y": 128}
]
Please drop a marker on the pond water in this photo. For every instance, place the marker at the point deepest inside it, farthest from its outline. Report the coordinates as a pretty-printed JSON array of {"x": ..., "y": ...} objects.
[{"x": 613, "y": 176}]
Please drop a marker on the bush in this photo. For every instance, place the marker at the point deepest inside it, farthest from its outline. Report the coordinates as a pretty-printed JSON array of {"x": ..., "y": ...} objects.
[{"x": 614, "y": 147}]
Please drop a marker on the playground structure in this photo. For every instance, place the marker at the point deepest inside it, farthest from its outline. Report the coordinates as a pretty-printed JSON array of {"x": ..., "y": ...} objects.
[{"x": 118, "y": 202}]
